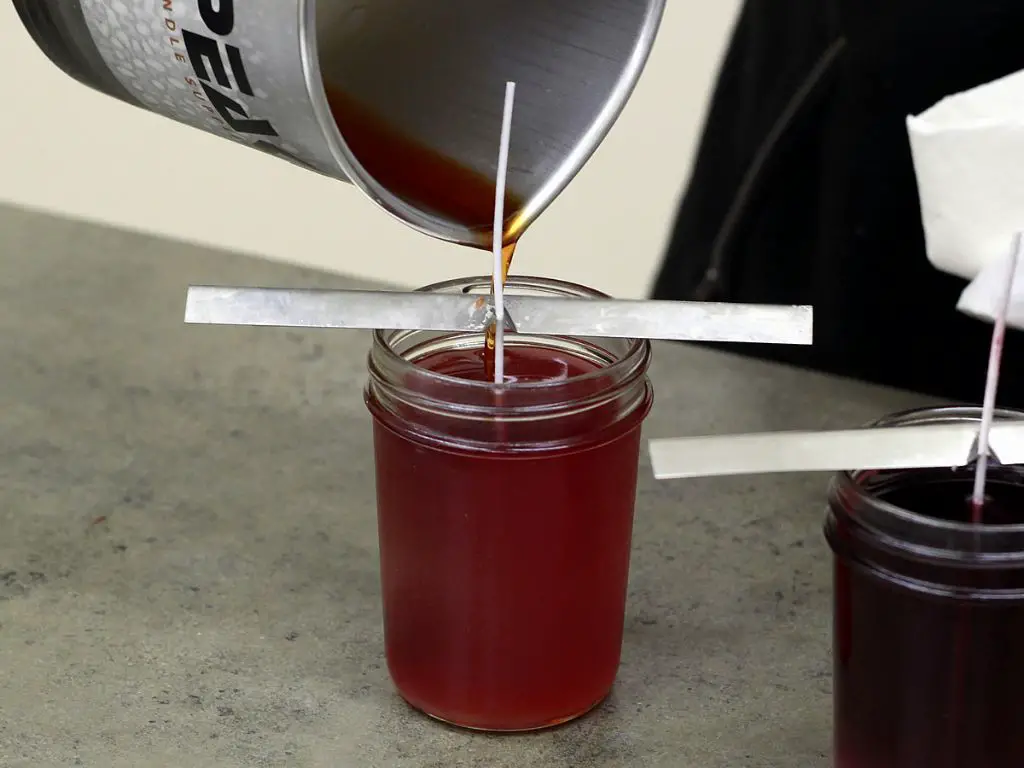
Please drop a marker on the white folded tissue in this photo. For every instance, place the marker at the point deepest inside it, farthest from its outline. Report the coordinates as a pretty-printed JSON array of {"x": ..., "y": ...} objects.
[{"x": 968, "y": 153}]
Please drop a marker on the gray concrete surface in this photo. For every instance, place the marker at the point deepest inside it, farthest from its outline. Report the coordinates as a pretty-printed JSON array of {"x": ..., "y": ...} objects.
[{"x": 188, "y": 567}]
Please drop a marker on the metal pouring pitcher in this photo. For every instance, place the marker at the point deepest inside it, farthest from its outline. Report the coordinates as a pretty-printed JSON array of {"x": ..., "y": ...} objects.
[{"x": 431, "y": 71}]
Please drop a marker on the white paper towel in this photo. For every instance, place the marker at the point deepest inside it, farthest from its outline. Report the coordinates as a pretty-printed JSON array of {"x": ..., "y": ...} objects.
[
  {"x": 985, "y": 296},
  {"x": 968, "y": 153}
]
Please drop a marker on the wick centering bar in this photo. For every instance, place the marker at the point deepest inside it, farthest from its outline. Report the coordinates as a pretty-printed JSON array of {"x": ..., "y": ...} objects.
[{"x": 473, "y": 311}]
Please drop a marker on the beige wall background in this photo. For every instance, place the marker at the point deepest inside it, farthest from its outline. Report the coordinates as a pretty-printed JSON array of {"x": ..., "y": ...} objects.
[{"x": 76, "y": 153}]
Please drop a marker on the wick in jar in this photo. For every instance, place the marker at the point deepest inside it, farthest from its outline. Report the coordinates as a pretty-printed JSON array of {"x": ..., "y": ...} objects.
[
  {"x": 995, "y": 356},
  {"x": 500, "y": 269},
  {"x": 508, "y": 251}
]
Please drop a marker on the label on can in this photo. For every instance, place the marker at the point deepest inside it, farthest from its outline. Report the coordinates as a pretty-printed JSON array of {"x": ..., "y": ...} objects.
[{"x": 235, "y": 69}]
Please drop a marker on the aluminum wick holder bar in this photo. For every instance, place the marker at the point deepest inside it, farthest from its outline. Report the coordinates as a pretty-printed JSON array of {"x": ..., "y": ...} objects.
[
  {"x": 939, "y": 445},
  {"x": 474, "y": 312}
]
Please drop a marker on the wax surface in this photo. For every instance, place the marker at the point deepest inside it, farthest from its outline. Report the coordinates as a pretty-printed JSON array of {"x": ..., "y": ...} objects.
[{"x": 522, "y": 364}]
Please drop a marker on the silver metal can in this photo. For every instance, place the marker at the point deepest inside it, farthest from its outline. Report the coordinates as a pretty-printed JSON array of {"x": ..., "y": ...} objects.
[{"x": 433, "y": 73}]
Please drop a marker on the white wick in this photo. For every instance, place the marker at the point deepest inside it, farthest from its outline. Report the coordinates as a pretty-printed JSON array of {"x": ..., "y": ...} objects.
[
  {"x": 992, "y": 379},
  {"x": 499, "y": 234}
]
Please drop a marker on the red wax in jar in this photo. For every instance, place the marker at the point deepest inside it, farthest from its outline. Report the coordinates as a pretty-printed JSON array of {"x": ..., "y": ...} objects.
[
  {"x": 929, "y": 623},
  {"x": 504, "y": 571}
]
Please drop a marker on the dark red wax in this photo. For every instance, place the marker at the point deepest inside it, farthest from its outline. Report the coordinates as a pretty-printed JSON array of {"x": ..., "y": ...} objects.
[
  {"x": 504, "y": 576},
  {"x": 926, "y": 678}
]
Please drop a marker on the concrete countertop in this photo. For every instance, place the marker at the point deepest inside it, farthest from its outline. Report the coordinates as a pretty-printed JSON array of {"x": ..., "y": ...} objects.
[{"x": 188, "y": 555}]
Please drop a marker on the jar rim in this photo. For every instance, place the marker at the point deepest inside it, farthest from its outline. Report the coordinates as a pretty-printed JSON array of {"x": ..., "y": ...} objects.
[
  {"x": 548, "y": 285},
  {"x": 849, "y": 480}
]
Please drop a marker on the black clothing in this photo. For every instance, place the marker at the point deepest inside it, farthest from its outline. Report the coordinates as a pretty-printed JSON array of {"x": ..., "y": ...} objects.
[{"x": 803, "y": 191}]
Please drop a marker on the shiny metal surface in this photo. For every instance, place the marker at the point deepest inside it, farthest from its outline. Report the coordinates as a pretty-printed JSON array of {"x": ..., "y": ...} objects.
[
  {"x": 667, "y": 320},
  {"x": 437, "y": 70},
  {"x": 900, "y": 447},
  {"x": 670, "y": 320},
  {"x": 301, "y": 308},
  {"x": 254, "y": 73}
]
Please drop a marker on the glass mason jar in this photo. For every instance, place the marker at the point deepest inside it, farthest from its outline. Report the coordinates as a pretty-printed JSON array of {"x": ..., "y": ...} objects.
[
  {"x": 505, "y": 515},
  {"x": 928, "y": 624}
]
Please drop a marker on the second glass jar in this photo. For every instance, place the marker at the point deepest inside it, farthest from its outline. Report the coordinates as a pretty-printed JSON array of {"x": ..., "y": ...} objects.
[{"x": 928, "y": 614}]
